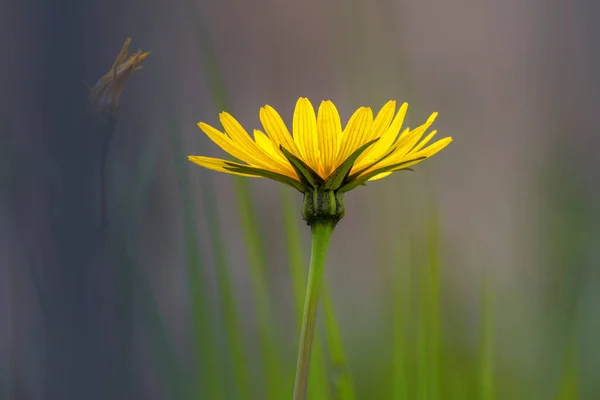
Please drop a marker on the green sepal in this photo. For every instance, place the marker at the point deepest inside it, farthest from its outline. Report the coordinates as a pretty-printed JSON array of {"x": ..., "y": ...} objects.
[
  {"x": 306, "y": 174},
  {"x": 268, "y": 174},
  {"x": 363, "y": 179},
  {"x": 323, "y": 206},
  {"x": 357, "y": 173},
  {"x": 337, "y": 177}
]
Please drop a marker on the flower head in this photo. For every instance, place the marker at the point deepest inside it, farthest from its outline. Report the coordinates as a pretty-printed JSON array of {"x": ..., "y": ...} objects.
[
  {"x": 321, "y": 156},
  {"x": 107, "y": 90}
]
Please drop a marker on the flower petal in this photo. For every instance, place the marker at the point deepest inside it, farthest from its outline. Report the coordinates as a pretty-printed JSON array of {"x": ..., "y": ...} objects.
[
  {"x": 423, "y": 142},
  {"x": 355, "y": 134},
  {"x": 380, "y": 176},
  {"x": 276, "y": 130},
  {"x": 224, "y": 142},
  {"x": 379, "y": 128},
  {"x": 427, "y": 153},
  {"x": 406, "y": 142},
  {"x": 383, "y": 145},
  {"x": 258, "y": 157},
  {"x": 217, "y": 164},
  {"x": 329, "y": 128},
  {"x": 266, "y": 144},
  {"x": 304, "y": 126},
  {"x": 240, "y": 137},
  {"x": 432, "y": 149}
]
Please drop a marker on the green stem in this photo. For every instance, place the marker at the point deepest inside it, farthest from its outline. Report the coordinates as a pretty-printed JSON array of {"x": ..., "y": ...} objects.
[{"x": 321, "y": 234}]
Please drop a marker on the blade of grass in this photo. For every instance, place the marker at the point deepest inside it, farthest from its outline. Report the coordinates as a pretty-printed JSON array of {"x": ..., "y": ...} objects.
[
  {"x": 486, "y": 343},
  {"x": 342, "y": 381},
  {"x": 160, "y": 342},
  {"x": 296, "y": 258},
  {"x": 568, "y": 388},
  {"x": 202, "y": 325},
  {"x": 401, "y": 309},
  {"x": 227, "y": 299},
  {"x": 257, "y": 260},
  {"x": 433, "y": 305},
  {"x": 159, "y": 339},
  {"x": 251, "y": 231},
  {"x": 428, "y": 341}
]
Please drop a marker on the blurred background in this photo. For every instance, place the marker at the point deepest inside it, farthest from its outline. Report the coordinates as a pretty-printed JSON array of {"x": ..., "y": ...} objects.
[{"x": 474, "y": 277}]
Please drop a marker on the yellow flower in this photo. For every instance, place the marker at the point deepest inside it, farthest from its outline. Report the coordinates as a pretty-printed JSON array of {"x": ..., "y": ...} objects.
[{"x": 320, "y": 153}]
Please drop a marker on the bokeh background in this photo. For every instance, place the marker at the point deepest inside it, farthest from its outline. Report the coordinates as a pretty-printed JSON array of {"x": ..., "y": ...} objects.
[{"x": 476, "y": 276}]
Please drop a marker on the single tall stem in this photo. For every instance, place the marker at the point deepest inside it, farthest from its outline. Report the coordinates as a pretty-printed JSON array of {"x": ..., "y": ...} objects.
[{"x": 321, "y": 234}]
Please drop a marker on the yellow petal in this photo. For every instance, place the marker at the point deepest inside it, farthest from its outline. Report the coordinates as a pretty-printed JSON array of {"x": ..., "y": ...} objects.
[
  {"x": 277, "y": 131},
  {"x": 305, "y": 132},
  {"x": 382, "y": 120},
  {"x": 379, "y": 128},
  {"x": 266, "y": 144},
  {"x": 356, "y": 133},
  {"x": 382, "y": 146},
  {"x": 329, "y": 128},
  {"x": 407, "y": 141},
  {"x": 268, "y": 147},
  {"x": 224, "y": 142},
  {"x": 216, "y": 164},
  {"x": 400, "y": 149},
  {"x": 258, "y": 157},
  {"x": 417, "y": 156},
  {"x": 423, "y": 142},
  {"x": 380, "y": 176},
  {"x": 408, "y": 163},
  {"x": 240, "y": 137},
  {"x": 242, "y": 153},
  {"x": 380, "y": 153},
  {"x": 433, "y": 149}
]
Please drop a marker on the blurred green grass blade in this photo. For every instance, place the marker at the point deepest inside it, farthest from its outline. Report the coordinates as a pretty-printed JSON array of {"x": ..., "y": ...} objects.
[
  {"x": 177, "y": 382},
  {"x": 257, "y": 260},
  {"x": 433, "y": 305},
  {"x": 401, "y": 309},
  {"x": 344, "y": 387},
  {"x": 160, "y": 341},
  {"x": 229, "y": 312},
  {"x": 568, "y": 388},
  {"x": 202, "y": 324},
  {"x": 428, "y": 340},
  {"x": 423, "y": 339},
  {"x": 296, "y": 259},
  {"x": 318, "y": 383},
  {"x": 318, "y": 379},
  {"x": 486, "y": 343}
]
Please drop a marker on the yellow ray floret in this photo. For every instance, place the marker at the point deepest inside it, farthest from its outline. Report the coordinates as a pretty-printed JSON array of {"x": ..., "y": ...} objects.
[{"x": 319, "y": 144}]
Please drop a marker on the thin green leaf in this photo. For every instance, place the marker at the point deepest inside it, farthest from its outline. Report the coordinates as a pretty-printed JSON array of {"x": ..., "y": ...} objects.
[
  {"x": 363, "y": 179},
  {"x": 368, "y": 167},
  {"x": 335, "y": 180},
  {"x": 271, "y": 175},
  {"x": 305, "y": 173}
]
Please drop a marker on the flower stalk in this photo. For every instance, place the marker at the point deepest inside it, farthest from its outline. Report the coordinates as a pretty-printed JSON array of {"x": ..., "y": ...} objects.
[
  {"x": 104, "y": 104},
  {"x": 321, "y": 235}
]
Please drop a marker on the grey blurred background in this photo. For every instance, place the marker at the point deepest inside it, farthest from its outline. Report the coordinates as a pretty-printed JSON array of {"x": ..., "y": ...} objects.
[{"x": 516, "y": 194}]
